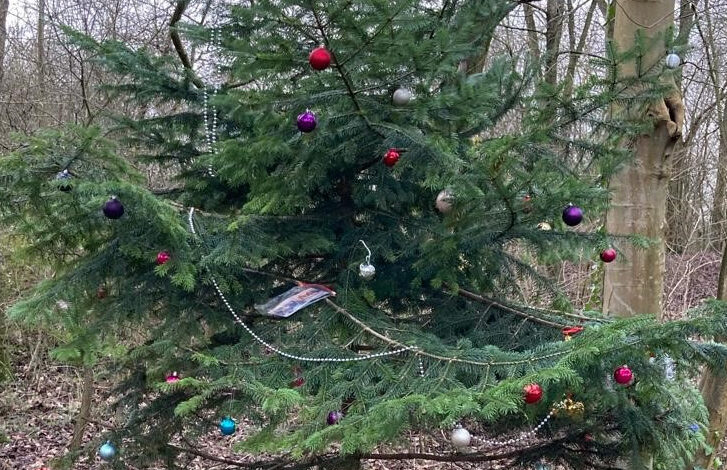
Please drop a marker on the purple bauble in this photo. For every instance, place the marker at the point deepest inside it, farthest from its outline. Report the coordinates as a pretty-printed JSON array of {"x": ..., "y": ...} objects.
[
  {"x": 572, "y": 215},
  {"x": 334, "y": 417},
  {"x": 307, "y": 121},
  {"x": 113, "y": 209}
]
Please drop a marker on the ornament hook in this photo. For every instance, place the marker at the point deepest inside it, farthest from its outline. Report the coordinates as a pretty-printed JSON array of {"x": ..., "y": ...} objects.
[{"x": 368, "y": 257}]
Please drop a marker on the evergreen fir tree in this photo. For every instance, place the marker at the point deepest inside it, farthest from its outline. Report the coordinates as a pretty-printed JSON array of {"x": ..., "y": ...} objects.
[{"x": 441, "y": 335}]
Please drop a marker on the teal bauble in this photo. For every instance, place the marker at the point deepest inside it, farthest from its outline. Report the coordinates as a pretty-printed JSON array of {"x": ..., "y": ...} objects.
[
  {"x": 227, "y": 426},
  {"x": 107, "y": 451}
]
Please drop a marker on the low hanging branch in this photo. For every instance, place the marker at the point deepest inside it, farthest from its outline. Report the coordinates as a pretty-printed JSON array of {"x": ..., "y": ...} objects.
[{"x": 177, "y": 41}]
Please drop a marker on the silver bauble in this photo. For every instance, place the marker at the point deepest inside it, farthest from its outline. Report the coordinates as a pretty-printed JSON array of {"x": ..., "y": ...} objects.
[
  {"x": 401, "y": 97},
  {"x": 461, "y": 438},
  {"x": 673, "y": 60},
  {"x": 544, "y": 226},
  {"x": 445, "y": 201},
  {"x": 366, "y": 271}
]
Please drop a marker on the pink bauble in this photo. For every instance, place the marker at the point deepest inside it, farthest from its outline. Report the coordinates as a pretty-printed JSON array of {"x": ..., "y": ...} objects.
[{"x": 623, "y": 375}]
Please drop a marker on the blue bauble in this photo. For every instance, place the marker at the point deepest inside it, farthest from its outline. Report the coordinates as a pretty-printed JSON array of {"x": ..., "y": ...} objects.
[
  {"x": 227, "y": 426},
  {"x": 107, "y": 451}
]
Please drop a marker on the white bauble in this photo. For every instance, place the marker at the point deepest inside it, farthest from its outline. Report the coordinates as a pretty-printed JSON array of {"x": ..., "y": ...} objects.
[
  {"x": 401, "y": 97},
  {"x": 445, "y": 201},
  {"x": 673, "y": 60},
  {"x": 461, "y": 438},
  {"x": 366, "y": 271}
]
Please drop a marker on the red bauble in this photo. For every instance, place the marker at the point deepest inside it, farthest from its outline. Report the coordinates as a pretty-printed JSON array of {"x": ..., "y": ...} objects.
[
  {"x": 163, "y": 257},
  {"x": 608, "y": 255},
  {"x": 319, "y": 58},
  {"x": 623, "y": 375},
  {"x": 101, "y": 292},
  {"x": 297, "y": 382},
  {"x": 391, "y": 157},
  {"x": 533, "y": 393}
]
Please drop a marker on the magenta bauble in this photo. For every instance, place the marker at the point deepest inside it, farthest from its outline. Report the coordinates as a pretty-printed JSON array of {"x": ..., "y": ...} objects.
[
  {"x": 319, "y": 58},
  {"x": 307, "y": 121},
  {"x": 623, "y": 375},
  {"x": 608, "y": 255},
  {"x": 173, "y": 377}
]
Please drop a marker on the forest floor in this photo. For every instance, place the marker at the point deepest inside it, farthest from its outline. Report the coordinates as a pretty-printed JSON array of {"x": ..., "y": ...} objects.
[{"x": 38, "y": 406}]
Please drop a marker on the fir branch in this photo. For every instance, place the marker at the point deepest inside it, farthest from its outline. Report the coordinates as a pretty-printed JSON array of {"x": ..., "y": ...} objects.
[
  {"x": 343, "y": 75},
  {"x": 485, "y": 300}
]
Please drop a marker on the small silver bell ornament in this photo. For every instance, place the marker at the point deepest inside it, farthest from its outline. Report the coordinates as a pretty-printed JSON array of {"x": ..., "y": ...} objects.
[{"x": 366, "y": 270}]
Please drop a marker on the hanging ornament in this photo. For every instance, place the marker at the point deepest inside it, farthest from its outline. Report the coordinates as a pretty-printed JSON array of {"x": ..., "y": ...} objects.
[
  {"x": 366, "y": 270},
  {"x": 63, "y": 305},
  {"x": 527, "y": 204},
  {"x": 544, "y": 226},
  {"x": 623, "y": 375},
  {"x": 572, "y": 215},
  {"x": 391, "y": 157},
  {"x": 64, "y": 181},
  {"x": 227, "y": 426},
  {"x": 445, "y": 201},
  {"x": 572, "y": 408},
  {"x": 113, "y": 209},
  {"x": 173, "y": 377},
  {"x": 101, "y": 292},
  {"x": 319, "y": 58},
  {"x": 401, "y": 97},
  {"x": 334, "y": 417},
  {"x": 694, "y": 427},
  {"x": 163, "y": 257},
  {"x": 307, "y": 121},
  {"x": 297, "y": 382},
  {"x": 533, "y": 393},
  {"x": 461, "y": 437},
  {"x": 673, "y": 60},
  {"x": 569, "y": 331},
  {"x": 107, "y": 451},
  {"x": 608, "y": 255}
]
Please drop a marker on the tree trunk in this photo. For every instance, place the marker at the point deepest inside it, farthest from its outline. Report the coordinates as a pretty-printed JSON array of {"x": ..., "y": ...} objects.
[
  {"x": 719, "y": 208},
  {"x": 714, "y": 391},
  {"x": 638, "y": 203},
  {"x": 41, "y": 61},
  {"x": 554, "y": 15},
  {"x": 4, "y": 6},
  {"x": 85, "y": 411}
]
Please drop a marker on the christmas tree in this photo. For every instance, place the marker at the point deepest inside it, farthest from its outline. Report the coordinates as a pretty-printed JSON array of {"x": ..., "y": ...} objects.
[{"x": 360, "y": 191}]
